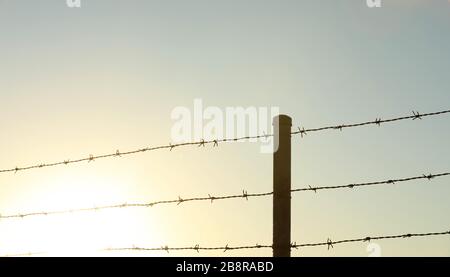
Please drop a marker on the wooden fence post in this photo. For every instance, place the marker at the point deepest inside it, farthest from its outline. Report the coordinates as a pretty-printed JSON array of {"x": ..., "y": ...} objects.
[{"x": 282, "y": 186}]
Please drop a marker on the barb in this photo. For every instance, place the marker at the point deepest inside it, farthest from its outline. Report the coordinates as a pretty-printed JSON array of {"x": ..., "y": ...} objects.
[
  {"x": 329, "y": 244},
  {"x": 243, "y": 195},
  {"x": 215, "y": 142}
]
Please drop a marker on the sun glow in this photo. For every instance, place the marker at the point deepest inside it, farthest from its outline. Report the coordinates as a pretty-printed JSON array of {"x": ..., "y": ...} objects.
[{"x": 77, "y": 233}]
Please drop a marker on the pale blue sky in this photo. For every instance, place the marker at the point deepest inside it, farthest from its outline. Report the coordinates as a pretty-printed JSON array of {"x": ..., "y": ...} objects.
[{"x": 106, "y": 76}]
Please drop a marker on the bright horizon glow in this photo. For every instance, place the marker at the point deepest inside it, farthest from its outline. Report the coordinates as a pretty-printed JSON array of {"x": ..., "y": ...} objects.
[{"x": 78, "y": 233}]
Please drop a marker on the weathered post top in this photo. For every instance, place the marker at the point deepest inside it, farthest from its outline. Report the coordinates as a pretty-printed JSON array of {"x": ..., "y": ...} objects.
[{"x": 282, "y": 120}]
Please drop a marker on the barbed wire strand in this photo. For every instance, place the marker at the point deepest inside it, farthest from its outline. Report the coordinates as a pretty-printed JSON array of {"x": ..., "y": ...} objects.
[
  {"x": 386, "y": 182},
  {"x": 329, "y": 243},
  {"x": 377, "y": 121},
  {"x": 29, "y": 254},
  {"x": 215, "y": 142},
  {"x": 243, "y": 195}
]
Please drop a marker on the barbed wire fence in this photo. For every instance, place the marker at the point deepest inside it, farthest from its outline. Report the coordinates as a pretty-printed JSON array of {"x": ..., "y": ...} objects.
[
  {"x": 244, "y": 195},
  {"x": 329, "y": 244},
  {"x": 215, "y": 142}
]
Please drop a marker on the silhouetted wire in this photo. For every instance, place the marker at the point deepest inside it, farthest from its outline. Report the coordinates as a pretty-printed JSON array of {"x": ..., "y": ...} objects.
[
  {"x": 329, "y": 243},
  {"x": 377, "y": 121},
  {"x": 215, "y": 142},
  {"x": 243, "y": 195}
]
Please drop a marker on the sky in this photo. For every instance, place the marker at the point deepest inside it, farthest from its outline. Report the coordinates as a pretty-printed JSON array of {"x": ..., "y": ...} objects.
[{"x": 107, "y": 76}]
